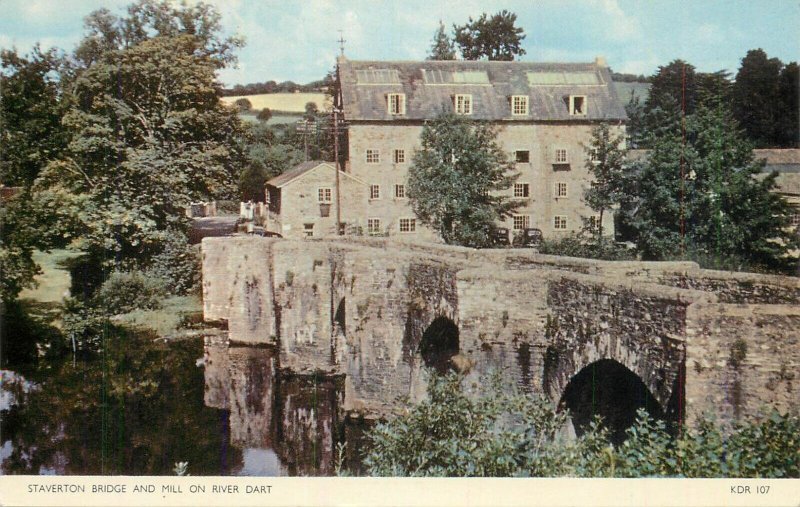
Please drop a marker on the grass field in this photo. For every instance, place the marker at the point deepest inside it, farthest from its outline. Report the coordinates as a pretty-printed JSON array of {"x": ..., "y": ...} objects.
[
  {"x": 290, "y": 102},
  {"x": 54, "y": 281}
]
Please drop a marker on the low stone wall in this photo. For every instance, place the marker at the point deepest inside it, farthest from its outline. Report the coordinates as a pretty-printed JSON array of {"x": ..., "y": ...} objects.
[{"x": 731, "y": 287}]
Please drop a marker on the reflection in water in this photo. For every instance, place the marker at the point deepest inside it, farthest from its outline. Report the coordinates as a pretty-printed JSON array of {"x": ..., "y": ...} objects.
[{"x": 286, "y": 424}]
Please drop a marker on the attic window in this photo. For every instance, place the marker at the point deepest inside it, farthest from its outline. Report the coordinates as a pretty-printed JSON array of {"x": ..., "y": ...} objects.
[
  {"x": 462, "y": 104},
  {"x": 577, "y": 105},
  {"x": 396, "y": 103},
  {"x": 519, "y": 105}
]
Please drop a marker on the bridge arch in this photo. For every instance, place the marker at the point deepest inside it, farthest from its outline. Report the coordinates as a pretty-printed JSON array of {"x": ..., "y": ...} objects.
[{"x": 439, "y": 343}]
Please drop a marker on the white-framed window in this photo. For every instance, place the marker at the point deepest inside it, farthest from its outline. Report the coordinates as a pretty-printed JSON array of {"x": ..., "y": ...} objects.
[
  {"x": 577, "y": 105},
  {"x": 373, "y": 226},
  {"x": 522, "y": 156},
  {"x": 462, "y": 104},
  {"x": 324, "y": 195},
  {"x": 399, "y": 156},
  {"x": 560, "y": 189},
  {"x": 521, "y": 222},
  {"x": 373, "y": 156},
  {"x": 594, "y": 156},
  {"x": 560, "y": 156},
  {"x": 308, "y": 230},
  {"x": 522, "y": 190},
  {"x": 396, "y": 103},
  {"x": 408, "y": 225},
  {"x": 560, "y": 222},
  {"x": 794, "y": 219},
  {"x": 594, "y": 222},
  {"x": 400, "y": 191},
  {"x": 374, "y": 191},
  {"x": 519, "y": 105}
]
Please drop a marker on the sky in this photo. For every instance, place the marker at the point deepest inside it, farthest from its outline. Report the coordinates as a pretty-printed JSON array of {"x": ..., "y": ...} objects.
[{"x": 297, "y": 40}]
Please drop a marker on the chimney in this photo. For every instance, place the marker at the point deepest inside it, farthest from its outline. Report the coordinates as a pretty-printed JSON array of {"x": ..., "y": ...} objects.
[{"x": 600, "y": 61}]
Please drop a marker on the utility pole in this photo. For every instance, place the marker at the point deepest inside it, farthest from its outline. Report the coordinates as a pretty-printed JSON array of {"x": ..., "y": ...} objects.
[{"x": 337, "y": 103}]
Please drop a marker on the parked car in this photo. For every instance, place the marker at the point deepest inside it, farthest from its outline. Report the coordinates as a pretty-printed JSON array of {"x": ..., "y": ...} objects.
[
  {"x": 531, "y": 237},
  {"x": 260, "y": 231},
  {"x": 500, "y": 237}
]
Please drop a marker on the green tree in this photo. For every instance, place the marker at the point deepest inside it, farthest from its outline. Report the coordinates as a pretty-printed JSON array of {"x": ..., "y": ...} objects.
[
  {"x": 732, "y": 218},
  {"x": 266, "y": 156},
  {"x": 788, "y": 135},
  {"x": 442, "y": 47},
  {"x": 756, "y": 100},
  {"x": 673, "y": 86},
  {"x": 494, "y": 38},
  {"x": 243, "y": 105},
  {"x": 31, "y": 133},
  {"x": 264, "y": 115},
  {"x": 605, "y": 162},
  {"x": 149, "y": 136},
  {"x": 456, "y": 180}
]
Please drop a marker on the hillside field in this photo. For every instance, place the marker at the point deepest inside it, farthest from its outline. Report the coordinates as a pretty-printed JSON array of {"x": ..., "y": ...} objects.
[{"x": 289, "y": 102}]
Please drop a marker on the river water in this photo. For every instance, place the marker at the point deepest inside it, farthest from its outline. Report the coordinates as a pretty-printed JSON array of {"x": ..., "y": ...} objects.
[{"x": 144, "y": 405}]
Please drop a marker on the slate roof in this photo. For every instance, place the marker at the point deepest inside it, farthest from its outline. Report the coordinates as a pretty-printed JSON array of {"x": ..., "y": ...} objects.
[
  {"x": 491, "y": 99},
  {"x": 299, "y": 170}
]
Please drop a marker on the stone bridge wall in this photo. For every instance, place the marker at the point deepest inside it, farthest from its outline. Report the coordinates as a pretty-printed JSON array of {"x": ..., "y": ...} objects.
[{"x": 359, "y": 307}]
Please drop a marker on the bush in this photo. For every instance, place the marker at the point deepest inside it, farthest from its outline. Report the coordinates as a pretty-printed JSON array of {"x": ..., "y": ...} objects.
[
  {"x": 576, "y": 245},
  {"x": 243, "y": 105},
  {"x": 123, "y": 292},
  {"x": 506, "y": 433},
  {"x": 264, "y": 115},
  {"x": 178, "y": 264}
]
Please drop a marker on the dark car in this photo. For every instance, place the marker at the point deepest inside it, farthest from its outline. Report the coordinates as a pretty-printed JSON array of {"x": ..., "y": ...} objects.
[
  {"x": 531, "y": 237},
  {"x": 500, "y": 237}
]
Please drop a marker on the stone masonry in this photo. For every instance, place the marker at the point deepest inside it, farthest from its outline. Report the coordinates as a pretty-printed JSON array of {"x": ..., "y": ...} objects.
[{"x": 699, "y": 340}]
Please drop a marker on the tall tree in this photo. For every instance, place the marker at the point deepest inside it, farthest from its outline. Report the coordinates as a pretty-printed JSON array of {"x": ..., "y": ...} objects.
[
  {"x": 456, "y": 180},
  {"x": 149, "y": 135},
  {"x": 673, "y": 85},
  {"x": 31, "y": 133},
  {"x": 494, "y": 38},
  {"x": 732, "y": 218},
  {"x": 442, "y": 47},
  {"x": 605, "y": 162},
  {"x": 788, "y": 135},
  {"x": 756, "y": 100}
]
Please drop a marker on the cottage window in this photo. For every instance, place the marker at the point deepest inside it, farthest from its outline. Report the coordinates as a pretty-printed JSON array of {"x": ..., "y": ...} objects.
[
  {"x": 324, "y": 195},
  {"x": 522, "y": 156},
  {"x": 373, "y": 156},
  {"x": 577, "y": 105},
  {"x": 308, "y": 230},
  {"x": 594, "y": 155},
  {"x": 521, "y": 222},
  {"x": 794, "y": 219},
  {"x": 399, "y": 156},
  {"x": 374, "y": 191},
  {"x": 373, "y": 226},
  {"x": 400, "y": 191},
  {"x": 408, "y": 225},
  {"x": 521, "y": 190},
  {"x": 519, "y": 105},
  {"x": 396, "y": 103},
  {"x": 560, "y": 156},
  {"x": 560, "y": 222},
  {"x": 594, "y": 223},
  {"x": 462, "y": 104},
  {"x": 561, "y": 189}
]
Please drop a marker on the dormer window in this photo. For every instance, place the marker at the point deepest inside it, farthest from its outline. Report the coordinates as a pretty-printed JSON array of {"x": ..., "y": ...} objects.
[
  {"x": 577, "y": 105},
  {"x": 519, "y": 105},
  {"x": 462, "y": 104},
  {"x": 396, "y": 103}
]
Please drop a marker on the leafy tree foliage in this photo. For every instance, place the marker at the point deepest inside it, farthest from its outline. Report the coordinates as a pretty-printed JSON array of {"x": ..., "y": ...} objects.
[
  {"x": 605, "y": 159},
  {"x": 494, "y": 38},
  {"x": 243, "y": 105},
  {"x": 501, "y": 432},
  {"x": 30, "y": 115},
  {"x": 731, "y": 215},
  {"x": 149, "y": 135},
  {"x": 454, "y": 179},
  {"x": 267, "y": 154},
  {"x": 264, "y": 115},
  {"x": 442, "y": 47},
  {"x": 765, "y": 100}
]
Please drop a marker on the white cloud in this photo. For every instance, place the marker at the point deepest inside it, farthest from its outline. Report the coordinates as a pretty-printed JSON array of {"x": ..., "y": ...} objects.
[{"x": 620, "y": 25}]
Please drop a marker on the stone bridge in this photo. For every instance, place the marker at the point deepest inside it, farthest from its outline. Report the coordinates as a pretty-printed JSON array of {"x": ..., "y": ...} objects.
[{"x": 594, "y": 336}]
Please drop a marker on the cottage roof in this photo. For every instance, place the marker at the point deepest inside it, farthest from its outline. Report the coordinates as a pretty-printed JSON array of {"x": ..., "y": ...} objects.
[
  {"x": 302, "y": 169},
  {"x": 429, "y": 87}
]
